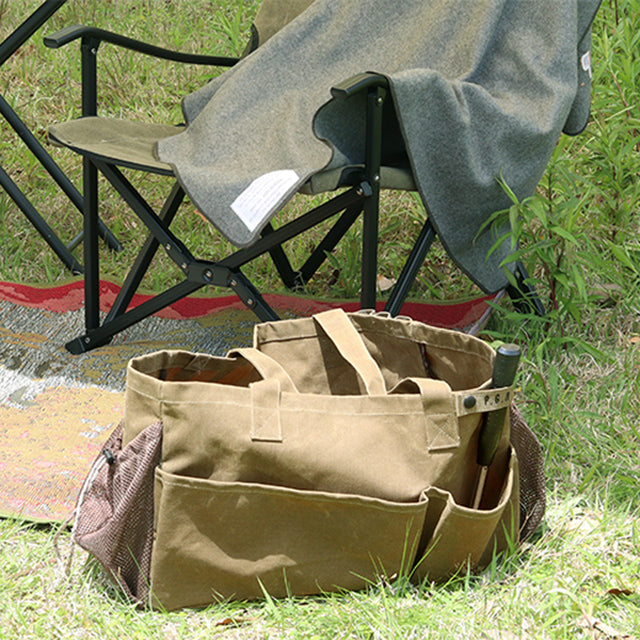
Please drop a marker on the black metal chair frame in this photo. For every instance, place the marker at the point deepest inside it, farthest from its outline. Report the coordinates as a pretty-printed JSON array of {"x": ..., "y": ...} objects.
[
  {"x": 7, "y": 49},
  {"x": 361, "y": 196}
]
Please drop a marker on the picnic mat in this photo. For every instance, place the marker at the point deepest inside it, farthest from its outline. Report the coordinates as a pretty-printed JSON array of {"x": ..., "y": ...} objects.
[{"x": 56, "y": 409}]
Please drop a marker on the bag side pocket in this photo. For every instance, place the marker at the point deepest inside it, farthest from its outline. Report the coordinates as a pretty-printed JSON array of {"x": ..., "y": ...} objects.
[
  {"x": 228, "y": 540},
  {"x": 114, "y": 514},
  {"x": 456, "y": 537}
]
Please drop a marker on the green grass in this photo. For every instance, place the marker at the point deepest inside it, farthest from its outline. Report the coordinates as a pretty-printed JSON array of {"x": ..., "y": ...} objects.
[
  {"x": 580, "y": 377},
  {"x": 583, "y": 570}
]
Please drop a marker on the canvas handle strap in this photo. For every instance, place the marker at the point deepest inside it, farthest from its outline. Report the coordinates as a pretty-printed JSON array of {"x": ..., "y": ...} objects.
[
  {"x": 267, "y": 367},
  {"x": 345, "y": 337},
  {"x": 266, "y": 394},
  {"x": 442, "y": 407},
  {"x": 438, "y": 405}
]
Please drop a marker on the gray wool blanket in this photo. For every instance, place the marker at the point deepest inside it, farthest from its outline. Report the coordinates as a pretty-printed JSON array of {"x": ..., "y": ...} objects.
[{"x": 482, "y": 90}]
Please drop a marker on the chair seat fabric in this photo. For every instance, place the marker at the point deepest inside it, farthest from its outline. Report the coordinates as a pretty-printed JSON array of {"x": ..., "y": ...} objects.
[
  {"x": 397, "y": 178},
  {"x": 131, "y": 144},
  {"x": 121, "y": 142}
]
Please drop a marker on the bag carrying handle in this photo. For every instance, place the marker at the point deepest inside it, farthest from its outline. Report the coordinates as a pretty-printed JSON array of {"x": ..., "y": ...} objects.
[
  {"x": 266, "y": 366},
  {"x": 345, "y": 337},
  {"x": 438, "y": 401}
]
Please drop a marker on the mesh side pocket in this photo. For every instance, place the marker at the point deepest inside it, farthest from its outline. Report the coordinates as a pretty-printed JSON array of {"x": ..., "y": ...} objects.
[
  {"x": 532, "y": 477},
  {"x": 114, "y": 513}
]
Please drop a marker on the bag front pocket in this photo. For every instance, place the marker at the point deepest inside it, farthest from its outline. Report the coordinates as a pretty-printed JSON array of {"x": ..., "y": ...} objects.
[
  {"x": 218, "y": 540},
  {"x": 456, "y": 538}
]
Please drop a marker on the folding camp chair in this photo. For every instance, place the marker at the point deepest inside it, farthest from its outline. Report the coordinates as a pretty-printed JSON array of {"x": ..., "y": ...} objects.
[
  {"x": 7, "y": 49},
  {"x": 106, "y": 145}
]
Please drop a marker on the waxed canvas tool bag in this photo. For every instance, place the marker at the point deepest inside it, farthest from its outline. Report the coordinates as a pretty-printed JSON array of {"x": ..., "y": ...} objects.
[{"x": 340, "y": 448}]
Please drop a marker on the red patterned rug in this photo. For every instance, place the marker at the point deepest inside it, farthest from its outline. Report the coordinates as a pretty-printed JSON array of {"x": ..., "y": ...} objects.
[{"x": 56, "y": 409}]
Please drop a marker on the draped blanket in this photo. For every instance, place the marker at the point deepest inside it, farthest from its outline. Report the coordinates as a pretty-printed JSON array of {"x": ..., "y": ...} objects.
[{"x": 482, "y": 90}]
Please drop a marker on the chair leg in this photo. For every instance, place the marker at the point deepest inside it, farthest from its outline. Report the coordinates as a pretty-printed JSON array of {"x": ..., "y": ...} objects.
[
  {"x": 523, "y": 295},
  {"x": 369, "y": 272},
  {"x": 40, "y": 224},
  {"x": 91, "y": 247},
  {"x": 328, "y": 243},
  {"x": 250, "y": 296},
  {"x": 197, "y": 273},
  {"x": 410, "y": 270},
  {"x": 143, "y": 261},
  {"x": 105, "y": 333},
  {"x": 371, "y": 208},
  {"x": 281, "y": 262}
]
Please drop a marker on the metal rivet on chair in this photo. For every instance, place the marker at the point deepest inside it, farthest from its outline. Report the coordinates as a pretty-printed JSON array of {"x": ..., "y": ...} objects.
[{"x": 469, "y": 402}]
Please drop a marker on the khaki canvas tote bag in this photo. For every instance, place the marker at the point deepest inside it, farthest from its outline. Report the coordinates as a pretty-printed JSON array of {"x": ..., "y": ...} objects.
[{"x": 339, "y": 449}]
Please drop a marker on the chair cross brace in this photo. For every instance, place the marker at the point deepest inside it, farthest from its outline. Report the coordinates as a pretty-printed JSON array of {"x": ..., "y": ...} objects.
[{"x": 197, "y": 273}]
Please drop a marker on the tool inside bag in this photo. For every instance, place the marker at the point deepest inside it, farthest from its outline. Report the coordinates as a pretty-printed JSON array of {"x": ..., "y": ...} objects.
[{"x": 338, "y": 449}]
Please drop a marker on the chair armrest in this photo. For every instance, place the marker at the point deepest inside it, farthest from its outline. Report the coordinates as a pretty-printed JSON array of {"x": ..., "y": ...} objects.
[
  {"x": 358, "y": 83},
  {"x": 69, "y": 34}
]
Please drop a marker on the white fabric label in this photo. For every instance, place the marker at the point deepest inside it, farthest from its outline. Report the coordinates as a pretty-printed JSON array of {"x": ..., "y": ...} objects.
[
  {"x": 586, "y": 63},
  {"x": 264, "y": 193}
]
